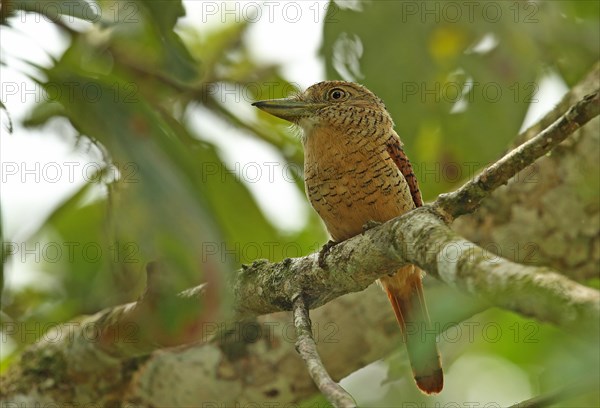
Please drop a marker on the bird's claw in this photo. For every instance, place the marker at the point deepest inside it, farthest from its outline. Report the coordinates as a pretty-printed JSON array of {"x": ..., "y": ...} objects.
[
  {"x": 324, "y": 251},
  {"x": 370, "y": 224}
]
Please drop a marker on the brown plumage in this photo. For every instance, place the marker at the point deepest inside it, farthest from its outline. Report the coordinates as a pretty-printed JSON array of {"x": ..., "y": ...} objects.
[{"x": 356, "y": 171}]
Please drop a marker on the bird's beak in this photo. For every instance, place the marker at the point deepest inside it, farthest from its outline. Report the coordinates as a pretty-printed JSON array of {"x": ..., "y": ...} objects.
[{"x": 290, "y": 109}]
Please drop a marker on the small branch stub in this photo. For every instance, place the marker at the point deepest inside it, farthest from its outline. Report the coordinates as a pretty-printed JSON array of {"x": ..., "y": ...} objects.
[{"x": 307, "y": 348}]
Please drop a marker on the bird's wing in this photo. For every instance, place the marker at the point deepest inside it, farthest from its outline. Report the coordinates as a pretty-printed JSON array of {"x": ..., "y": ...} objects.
[{"x": 394, "y": 149}]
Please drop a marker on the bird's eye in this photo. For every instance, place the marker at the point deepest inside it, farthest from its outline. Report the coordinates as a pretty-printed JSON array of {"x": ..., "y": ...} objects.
[{"x": 336, "y": 94}]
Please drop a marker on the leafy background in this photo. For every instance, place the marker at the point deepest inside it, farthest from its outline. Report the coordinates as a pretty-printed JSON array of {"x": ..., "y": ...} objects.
[{"x": 459, "y": 87}]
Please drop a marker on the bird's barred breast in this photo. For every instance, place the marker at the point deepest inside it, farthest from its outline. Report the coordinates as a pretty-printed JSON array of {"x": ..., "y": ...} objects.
[{"x": 353, "y": 182}]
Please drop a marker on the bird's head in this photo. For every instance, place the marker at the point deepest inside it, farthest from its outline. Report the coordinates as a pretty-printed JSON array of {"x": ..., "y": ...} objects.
[{"x": 334, "y": 104}]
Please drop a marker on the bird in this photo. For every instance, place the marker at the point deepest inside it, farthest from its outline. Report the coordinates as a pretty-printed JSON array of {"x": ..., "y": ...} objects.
[{"x": 356, "y": 173}]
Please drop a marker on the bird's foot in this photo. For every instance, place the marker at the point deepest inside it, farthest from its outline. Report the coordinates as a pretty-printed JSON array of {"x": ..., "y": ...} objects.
[
  {"x": 370, "y": 224},
  {"x": 324, "y": 251}
]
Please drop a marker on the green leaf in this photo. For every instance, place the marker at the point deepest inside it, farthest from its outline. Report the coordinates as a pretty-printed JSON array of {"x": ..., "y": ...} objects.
[
  {"x": 142, "y": 35},
  {"x": 9, "y": 125},
  {"x": 164, "y": 202},
  {"x": 42, "y": 112}
]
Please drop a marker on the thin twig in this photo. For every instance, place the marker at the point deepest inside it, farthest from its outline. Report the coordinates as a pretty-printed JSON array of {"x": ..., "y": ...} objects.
[
  {"x": 561, "y": 394},
  {"x": 468, "y": 197},
  {"x": 307, "y": 348}
]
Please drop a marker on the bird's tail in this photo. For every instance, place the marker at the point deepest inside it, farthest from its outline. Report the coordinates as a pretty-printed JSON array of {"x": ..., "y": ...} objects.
[{"x": 405, "y": 291}]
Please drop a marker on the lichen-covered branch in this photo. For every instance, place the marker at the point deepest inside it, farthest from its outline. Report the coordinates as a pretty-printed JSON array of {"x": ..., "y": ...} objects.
[
  {"x": 468, "y": 197},
  {"x": 420, "y": 237},
  {"x": 70, "y": 367},
  {"x": 537, "y": 292},
  {"x": 307, "y": 348}
]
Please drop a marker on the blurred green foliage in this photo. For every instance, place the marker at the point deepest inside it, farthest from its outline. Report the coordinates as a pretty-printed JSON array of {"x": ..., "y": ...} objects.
[
  {"x": 128, "y": 85},
  {"x": 458, "y": 79}
]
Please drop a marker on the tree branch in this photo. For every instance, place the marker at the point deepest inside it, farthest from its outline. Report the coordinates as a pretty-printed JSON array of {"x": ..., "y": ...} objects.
[
  {"x": 307, "y": 348},
  {"x": 468, "y": 197},
  {"x": 419, "y": 237},
  {"x": 533, "y": 291}
]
